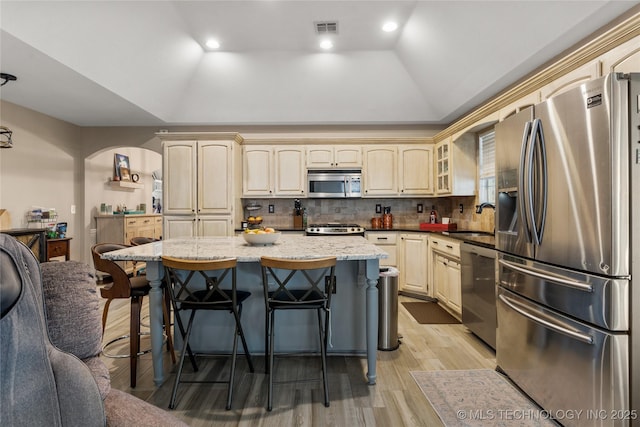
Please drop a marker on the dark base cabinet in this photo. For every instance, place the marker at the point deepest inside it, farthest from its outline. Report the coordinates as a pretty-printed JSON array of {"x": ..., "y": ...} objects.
[{"x": 34, "y": 238}]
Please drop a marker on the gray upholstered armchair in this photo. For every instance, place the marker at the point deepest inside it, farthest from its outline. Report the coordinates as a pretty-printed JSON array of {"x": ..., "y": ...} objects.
[{"x": 50, "y": 367}]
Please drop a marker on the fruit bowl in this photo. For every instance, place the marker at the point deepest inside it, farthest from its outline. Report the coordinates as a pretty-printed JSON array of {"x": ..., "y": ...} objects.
[{"x": 261, "y": 238}]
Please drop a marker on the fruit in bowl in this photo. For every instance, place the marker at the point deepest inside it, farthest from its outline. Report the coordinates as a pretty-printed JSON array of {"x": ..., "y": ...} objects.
[
  {"x": 261, "y": 236},
  {"x": 254, "y": 220}
]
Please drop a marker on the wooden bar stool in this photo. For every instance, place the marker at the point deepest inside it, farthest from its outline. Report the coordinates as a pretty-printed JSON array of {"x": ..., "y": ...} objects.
[
  {"x": 309, "y": 292},
  {"x": 133, "y": 288},
  {"x": 198, "y": 285}
]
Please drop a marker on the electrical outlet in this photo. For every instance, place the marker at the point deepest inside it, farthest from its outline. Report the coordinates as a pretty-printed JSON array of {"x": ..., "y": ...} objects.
[
  {"x": 272, "y": 209},
  {"x": 461, "y": 207},
  {"x": 420, "y": 208},
  {"x": 328, "y": 285},
  {"x": 378, "y": 208}
]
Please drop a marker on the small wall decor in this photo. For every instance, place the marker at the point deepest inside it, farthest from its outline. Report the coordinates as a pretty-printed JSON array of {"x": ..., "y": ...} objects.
[{"x": 121, "y": 168}]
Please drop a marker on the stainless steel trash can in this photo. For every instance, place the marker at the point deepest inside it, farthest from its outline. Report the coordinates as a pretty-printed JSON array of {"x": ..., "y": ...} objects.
[{"x": 388, "y": 309}]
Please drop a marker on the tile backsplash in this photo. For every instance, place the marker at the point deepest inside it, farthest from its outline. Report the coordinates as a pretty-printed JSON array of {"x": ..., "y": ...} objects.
[{"x": 360, "y": 211}]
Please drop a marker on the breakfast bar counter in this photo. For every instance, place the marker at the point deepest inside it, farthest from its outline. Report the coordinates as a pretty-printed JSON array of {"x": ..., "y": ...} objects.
[{"x": 354, "y": 307}]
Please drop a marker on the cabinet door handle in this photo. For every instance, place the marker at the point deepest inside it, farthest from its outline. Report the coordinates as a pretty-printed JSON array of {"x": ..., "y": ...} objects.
[
  {"x": 449, "y": 246},
  {"x": 382, "y": 238}
]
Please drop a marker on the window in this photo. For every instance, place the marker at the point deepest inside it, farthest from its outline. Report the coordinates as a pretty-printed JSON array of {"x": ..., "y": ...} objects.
[{"x": 487, "y": 167}]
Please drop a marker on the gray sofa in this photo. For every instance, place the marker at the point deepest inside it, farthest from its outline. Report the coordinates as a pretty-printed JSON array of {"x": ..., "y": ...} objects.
[{"x": 50, "y": 368}]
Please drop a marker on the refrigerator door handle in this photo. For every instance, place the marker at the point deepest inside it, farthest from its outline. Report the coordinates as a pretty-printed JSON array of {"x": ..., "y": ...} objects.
[
  {"x": 530, "y": 271},
  {"x": 537, "y": 141},
  {"x": 522, "y": 175},
  {"x": 557, "y": 325}
]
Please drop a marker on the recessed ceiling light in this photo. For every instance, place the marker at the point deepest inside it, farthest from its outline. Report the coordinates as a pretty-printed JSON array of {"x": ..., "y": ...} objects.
[
  {"x": 389, "y": 27},
  {"x": 326, "y": 44},
  {"x": 213, "y": 44}
]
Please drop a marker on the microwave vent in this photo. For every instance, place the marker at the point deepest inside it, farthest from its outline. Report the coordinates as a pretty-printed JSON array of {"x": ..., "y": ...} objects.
[{"x": 326, "y": 27}]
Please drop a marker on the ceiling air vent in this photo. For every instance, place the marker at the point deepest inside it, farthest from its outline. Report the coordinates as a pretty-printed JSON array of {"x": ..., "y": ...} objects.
[{"x": 326, "y": 27}]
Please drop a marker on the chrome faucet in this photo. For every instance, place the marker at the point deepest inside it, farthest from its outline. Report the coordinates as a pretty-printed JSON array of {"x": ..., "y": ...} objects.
[{"x": 484, "y": 205}]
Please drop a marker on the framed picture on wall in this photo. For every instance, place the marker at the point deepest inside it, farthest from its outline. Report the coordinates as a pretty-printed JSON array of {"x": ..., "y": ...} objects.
[{"x": 121, "y": 168}]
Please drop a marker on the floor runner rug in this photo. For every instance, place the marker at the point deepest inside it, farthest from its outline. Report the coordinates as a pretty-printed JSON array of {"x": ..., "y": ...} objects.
[
  {"x": 429, "y": 312},
  {"x": 481, "y": 397}
]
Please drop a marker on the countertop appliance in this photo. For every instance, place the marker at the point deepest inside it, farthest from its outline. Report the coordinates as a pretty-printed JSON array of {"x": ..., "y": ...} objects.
[
  {"x": 334, "y": 229},
  {"x": 568, "y": 233},
  {"x": 478, "y": 268},
  {"x": 334, "y": 183}
]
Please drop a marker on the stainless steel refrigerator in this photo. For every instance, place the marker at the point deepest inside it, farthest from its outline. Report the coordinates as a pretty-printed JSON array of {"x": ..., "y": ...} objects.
[{"x": 568, "y": 232}]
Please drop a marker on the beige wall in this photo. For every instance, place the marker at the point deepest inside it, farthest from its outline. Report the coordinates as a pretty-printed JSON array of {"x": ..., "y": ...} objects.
[{"x": 42, "y": 168}]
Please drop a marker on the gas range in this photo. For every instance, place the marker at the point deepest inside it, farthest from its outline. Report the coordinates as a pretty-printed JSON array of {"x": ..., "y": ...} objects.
[{"x": 334, "y": 229}]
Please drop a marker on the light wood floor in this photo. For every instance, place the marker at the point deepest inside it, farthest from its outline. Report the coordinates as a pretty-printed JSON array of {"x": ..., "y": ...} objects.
[{"x": 395, "y": 400}]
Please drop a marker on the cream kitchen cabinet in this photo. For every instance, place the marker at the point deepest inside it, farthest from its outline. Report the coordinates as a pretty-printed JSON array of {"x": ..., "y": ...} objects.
[
  {"x": 334, "y": 157},
  {"x": 415, "y": 170},
  {"x": 202, "y": 225},
  {"x": 444, "y": 257},
  {"x": 380, "y": 171},
  {"x": 622, "y": 59},
  {"x": 274, "y": 171},
  {"x": 413, "y": 263},
  {"x": 387, "y": 241},
  {"x": 574, "y": 78},
  {"x": 199, "y": 184},
  {"x": 455, "y": 166}
]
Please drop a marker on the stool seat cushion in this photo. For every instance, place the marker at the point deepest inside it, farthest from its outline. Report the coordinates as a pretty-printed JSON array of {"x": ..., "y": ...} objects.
[
  {"x": 198, "y": 296},
  {"x": 139, "y": 286},
  {"x": 281, "y": 300}
]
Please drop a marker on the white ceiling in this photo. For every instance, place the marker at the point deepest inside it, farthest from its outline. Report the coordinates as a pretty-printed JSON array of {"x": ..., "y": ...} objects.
[{"x": 142, "y": 63}]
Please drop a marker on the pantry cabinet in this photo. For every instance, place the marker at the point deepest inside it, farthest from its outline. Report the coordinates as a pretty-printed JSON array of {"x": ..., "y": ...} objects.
[
  {"x": 334, "y": 157},
  {"x": 202, "y": 225},
  {"x": 444, "y": 258},
  {"x": 380, "y": 171},
  {"x": 273, "y": 171},
  {"x": 413, "y": 266},
  {"x": 199, "y": 184}
]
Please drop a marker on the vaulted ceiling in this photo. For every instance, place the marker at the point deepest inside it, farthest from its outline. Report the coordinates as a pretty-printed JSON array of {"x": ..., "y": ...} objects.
[{"x": 144, "y": 63}]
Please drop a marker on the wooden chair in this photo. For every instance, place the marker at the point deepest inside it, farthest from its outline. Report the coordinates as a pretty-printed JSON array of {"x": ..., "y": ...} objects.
[
  {"x": 310, "y": 292},
  {"x": 198, "y": 285},
  {"x": 136, "y": 241},
  {"x": 133, "y": 288}
]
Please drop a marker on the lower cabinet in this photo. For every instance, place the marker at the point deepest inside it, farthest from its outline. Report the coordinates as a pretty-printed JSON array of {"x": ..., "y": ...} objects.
[
  {"x": 387, "y": 241},
  {"x": 204, "y": 225},
  {"x": 412, "y": 263},
  {"x": 444, "y": 257}
]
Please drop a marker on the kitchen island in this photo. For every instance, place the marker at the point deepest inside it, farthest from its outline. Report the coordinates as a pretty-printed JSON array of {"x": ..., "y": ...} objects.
[{"x": 354, "y": 318}]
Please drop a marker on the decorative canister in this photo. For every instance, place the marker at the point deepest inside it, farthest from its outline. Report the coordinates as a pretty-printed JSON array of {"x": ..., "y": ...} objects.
[
  {"x": 376, "y": 222},
  {"x": 387, "y": 220}
]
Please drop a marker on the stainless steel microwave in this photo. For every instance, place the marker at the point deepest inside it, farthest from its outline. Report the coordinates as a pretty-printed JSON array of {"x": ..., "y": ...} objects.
[{"x": 334, "y": 183}]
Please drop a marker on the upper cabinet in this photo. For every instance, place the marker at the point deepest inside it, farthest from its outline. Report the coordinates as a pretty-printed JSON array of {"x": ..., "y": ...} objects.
[
  {"x": 622, "y": 59},
  {"x": 334, "y": 156},
  {"x": 588, "y": 71},
  {"x": 197, "y": 177},
  {"x": 272, "y": 171},
  {"x": 380, "y": 171},
  {"x": 455, "y": 166},
  {"x": 415, "y": 173}
]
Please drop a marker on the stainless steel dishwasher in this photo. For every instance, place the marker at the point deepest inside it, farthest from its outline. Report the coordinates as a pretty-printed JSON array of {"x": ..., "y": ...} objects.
[{"x": 478, "y": 265}]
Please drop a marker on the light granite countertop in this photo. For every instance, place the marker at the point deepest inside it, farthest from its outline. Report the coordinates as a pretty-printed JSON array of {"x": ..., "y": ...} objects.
[{"x": 344, "y": 248}]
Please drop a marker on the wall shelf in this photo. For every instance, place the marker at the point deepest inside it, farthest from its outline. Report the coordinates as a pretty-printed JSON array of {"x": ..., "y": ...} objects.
[{"x": 127, "y": 185}]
